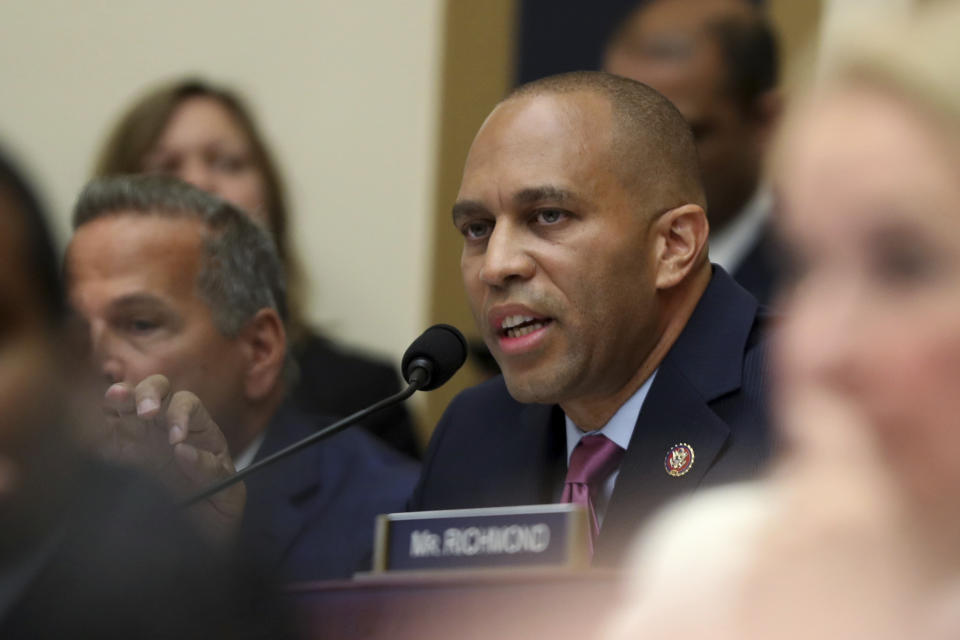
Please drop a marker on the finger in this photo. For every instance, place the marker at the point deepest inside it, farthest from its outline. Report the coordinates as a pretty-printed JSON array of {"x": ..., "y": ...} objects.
[
  {"x": 188, "y": 422},
  {"x": 119, "y": 399},
  {"x": 220, "y": 514},
  {"x": 126, "y": 427},
  {"x": 150, "y": 395},
  {"x": 201, "y": 467}
]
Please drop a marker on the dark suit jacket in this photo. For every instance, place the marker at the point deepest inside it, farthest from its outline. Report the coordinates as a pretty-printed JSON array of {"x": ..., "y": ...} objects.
[
  {"x": 758, "y": 271},
  {"x": 337, "y": 382},
  {"x": 311, "y": 516},
  {"x": 490, "y": 450}
]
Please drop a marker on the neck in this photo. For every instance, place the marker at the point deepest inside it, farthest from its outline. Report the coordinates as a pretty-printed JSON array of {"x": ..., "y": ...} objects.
[
  {"x": 246, "y": 425},
  {"x": 592, "y": 412}
]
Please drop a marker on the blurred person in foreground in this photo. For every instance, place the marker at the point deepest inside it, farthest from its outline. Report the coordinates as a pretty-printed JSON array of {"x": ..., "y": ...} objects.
[
  {"x": 718, "y": 62},
  {"x": 633, "y": 369},
  {"x": 86, "y": 549},
  {"x": 185, "y": 303},
  {"x": 855, "y": 533},
  {"x": 205, "y": 135}
]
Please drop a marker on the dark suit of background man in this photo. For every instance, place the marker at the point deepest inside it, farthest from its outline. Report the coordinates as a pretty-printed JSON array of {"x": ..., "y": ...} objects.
[
  {"x": 185, "y": 301},
  {"x": 717, "y": 61},
  {"x": 585, "y": 264}
]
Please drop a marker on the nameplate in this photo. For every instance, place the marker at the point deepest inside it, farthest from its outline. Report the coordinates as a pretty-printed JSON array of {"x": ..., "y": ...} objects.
[{"x": 546, "y": 535}]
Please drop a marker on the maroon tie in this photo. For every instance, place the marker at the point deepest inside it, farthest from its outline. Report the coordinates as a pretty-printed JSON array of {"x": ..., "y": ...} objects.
[{"x": 593, "y": 460}]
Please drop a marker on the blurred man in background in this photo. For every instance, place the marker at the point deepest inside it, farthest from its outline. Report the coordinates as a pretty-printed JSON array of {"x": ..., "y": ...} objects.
[
  {"x": 85, "y": 548},
  {"x": 184, "y": 297},
  {"x": 717, "y": 61}
]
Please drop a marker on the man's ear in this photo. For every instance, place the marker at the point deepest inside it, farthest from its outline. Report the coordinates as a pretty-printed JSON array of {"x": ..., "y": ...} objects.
[
  {"x": 265, "y": 347},
  {"x": 681, "y": 241}
]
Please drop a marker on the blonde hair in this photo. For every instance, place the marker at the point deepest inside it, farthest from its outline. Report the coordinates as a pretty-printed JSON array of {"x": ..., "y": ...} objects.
[{"x": 914, "y": 60}]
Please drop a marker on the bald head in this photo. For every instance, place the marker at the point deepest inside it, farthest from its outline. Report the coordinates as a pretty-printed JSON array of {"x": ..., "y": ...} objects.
[{"x": 650, "y": 144}]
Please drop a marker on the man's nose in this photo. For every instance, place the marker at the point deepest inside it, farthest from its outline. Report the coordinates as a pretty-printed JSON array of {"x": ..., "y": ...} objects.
[
  {"x": 506, "y": 258},
  {"x": 103, "y": 353}
]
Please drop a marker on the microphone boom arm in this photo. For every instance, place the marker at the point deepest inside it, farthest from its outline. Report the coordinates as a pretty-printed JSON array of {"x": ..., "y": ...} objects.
[{"x": 418, "y": 378}]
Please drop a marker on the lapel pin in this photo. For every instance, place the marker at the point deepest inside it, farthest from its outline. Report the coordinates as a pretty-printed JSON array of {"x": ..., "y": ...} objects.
[{"x": 679, "y": 460}]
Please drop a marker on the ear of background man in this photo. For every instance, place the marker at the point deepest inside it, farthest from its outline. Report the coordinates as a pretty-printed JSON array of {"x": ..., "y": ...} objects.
[{"x": 265, "y": 346}]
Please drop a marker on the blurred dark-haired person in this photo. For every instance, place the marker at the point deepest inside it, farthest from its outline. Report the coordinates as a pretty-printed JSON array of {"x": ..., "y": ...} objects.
[
  {"x": 717, "y": 61},
  {"x": 633, "y": 369},
  {"x": 86, "y": 549},
  {"x": 185, "y": 302},
  {"x": 206, "y": 135}
]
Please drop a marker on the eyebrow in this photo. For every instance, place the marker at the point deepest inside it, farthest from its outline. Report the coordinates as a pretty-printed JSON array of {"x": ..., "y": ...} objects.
[
  {"x": 137, "y": 300},
  {"x": 526, "y": 196}
]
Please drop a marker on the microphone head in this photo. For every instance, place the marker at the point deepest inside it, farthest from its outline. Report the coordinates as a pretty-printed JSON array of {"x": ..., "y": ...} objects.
[{"x": 440, "y": 350}]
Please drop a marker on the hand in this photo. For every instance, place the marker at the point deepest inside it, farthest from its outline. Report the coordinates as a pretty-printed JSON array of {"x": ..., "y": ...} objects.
[{"x": 172, "y": 437}]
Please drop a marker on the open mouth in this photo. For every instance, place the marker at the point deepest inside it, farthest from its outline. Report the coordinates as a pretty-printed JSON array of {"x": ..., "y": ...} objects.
[{"x": 519, "y": 326}]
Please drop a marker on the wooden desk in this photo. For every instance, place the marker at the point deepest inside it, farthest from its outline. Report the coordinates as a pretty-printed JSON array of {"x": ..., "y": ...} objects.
[{"x": 461, "y": 605}]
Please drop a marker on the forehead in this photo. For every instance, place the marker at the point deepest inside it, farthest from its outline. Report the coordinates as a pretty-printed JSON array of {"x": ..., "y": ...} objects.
[
  {"x": 201, "y": 117},
  {"x": 861, "y": 149},
  {"x": 562, "y": 140},
  {"x": 666, "y": 46},
  {"x": 134, "y": 253},
  {"x": 686, "y": 16}
]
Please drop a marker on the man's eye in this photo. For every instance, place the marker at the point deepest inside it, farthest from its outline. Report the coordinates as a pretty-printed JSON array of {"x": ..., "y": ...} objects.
[
  {"x": 551, "y": 216},
  {"x": 476, "y": 230},
  {"x": 141, "y": 326}
]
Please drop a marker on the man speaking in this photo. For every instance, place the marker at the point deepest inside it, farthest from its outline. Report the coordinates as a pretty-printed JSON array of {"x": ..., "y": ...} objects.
[{"x": 632, "y": 369}]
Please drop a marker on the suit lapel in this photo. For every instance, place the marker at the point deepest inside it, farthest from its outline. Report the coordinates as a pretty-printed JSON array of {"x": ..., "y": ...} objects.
[
  {"x": 703, "y": 365},
  {"x": 526, "y": 458},
  {"x": 673, "y": 413},
  {"x": 276, "y": 497}
]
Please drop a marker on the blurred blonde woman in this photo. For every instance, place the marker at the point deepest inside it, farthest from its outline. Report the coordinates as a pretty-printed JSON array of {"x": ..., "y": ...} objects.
[
  {"x": 206, "y": 135},
  {"x": 856, "y": 533}
]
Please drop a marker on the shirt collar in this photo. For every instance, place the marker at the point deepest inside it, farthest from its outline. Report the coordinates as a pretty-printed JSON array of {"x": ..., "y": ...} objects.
[
  {"x": 620, "y": 427},
  {"x": 242, "y": 460},
  {"x": 729, "y": 247}
]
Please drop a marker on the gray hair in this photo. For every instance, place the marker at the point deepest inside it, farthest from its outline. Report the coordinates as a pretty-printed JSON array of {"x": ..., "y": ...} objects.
[{"x": 240, "y": 271}]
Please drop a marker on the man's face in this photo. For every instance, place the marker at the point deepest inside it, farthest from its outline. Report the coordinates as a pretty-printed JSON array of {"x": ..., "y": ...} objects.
[
  {"x": 133, "y": 278},
  {"x": 664, "y": 47},
  {"x": 557, "y": 257}
]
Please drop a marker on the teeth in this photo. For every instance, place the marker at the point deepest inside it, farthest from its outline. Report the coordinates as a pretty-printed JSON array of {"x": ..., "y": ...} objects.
[
  {"x": 522, "y": 331},
  {"x": 511, "y": 321}
]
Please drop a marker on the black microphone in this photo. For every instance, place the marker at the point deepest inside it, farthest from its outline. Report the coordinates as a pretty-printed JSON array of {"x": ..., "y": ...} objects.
[
  {"x": 435, "y": 355},
  {"x": 429, "y": 362}
]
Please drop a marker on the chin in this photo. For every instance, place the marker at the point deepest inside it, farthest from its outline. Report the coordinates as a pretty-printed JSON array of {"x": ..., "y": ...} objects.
[{"x": 527, "y": 389}]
